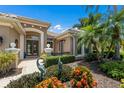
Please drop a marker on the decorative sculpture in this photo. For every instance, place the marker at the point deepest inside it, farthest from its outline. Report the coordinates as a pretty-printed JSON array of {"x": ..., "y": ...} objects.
[
  {"x": 42, "y": 68},
  {"x": 48, "y": 50},
  {"x": 59, "y": 68}
]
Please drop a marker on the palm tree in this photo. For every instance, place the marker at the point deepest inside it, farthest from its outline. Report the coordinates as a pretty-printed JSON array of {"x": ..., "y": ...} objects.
[
  {"x": 115, "y": 22},
  {"x": 92, "y": 34},
  {"x": 95, "y": 8}
]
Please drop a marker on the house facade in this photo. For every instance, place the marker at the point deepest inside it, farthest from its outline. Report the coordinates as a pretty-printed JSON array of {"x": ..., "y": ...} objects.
[{"x": 32, "y": 36}]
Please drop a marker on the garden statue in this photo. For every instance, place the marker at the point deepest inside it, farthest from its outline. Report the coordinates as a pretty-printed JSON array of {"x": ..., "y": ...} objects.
[
  {"x": 59, "y": 68},
  {"x": 41, "y": 67},
  {"x": 48, "y": 50}
]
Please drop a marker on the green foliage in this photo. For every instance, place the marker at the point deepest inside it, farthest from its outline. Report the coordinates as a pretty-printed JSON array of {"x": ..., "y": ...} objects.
[
  {"x": 122, "y": 85},
  {"x": 53, "y": 60},
  {"x": 52, "y": 71},
  {"x": 91, "y": 57},
  {"x": 26, "y": 81},
  {"x": 6, "y": 60},
  {"x": 122, "y": 54},
  {"x": 113, "y": 69},
  {"x": 109, "y": 55},
  {"x": 43, "y": 56},
  {"x": 102, "y": 32}
]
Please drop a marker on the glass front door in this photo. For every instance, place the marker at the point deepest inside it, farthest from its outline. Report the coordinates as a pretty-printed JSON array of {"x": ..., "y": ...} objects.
[{"x": 32, "y": 47}]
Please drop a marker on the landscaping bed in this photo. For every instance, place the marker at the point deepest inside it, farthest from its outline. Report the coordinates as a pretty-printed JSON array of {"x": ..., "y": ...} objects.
[
  {"x": 113, "y": 69},
  {"x": 103, "y": 81},
  {"x": 7, "y": 62},
  {"x": 78, "y": 77}
]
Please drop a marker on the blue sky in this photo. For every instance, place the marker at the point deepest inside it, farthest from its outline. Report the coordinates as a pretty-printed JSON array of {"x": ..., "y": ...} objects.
[{"x": 60, "y": 17}]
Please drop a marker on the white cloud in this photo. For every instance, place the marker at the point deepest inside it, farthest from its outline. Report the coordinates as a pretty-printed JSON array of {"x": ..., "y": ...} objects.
[{"x": 57, "y": 27}]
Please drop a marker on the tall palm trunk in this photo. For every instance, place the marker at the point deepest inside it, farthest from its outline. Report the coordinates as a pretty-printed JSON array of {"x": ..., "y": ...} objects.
[
  {"x": 117, "y": 50},
  {"x": 117, "y": 43}
]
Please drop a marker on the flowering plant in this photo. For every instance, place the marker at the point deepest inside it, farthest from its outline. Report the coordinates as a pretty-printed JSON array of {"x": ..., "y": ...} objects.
[
  {"x": 82, "y": 78},
  {"x": 52, "y": 82}
]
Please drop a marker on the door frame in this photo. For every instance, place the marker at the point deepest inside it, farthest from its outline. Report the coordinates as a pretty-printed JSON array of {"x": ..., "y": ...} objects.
[{"x": 32, "y": 44}]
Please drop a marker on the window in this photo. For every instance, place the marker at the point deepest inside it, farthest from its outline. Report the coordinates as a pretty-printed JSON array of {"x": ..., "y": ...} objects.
[
  {"x": 16, "y": 42},
  {"x": 61, "y": 46}
]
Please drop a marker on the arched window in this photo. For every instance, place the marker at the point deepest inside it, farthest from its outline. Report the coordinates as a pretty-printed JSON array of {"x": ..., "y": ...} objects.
[{"x": 16, "y": 42}]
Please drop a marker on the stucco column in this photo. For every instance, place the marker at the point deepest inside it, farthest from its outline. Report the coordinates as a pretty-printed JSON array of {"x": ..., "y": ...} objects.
[
  {"x": 42, "y": 41},
  {"x": 74, "y": 45},
  {"x": 82, "y": 50},
  {"x": 22, "y": 46}
]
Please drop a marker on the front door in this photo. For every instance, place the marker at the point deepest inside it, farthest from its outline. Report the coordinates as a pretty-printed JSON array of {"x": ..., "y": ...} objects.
[{"x": 32, "y": 47}]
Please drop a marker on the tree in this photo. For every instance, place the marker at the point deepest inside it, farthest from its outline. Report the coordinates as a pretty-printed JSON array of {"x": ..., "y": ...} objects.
[
  {"x": 115, "y": 22},
  {"x": 95, "y": 8},
  {"x": 93, "y": 34},
  {"x": 102, "y": 32}
]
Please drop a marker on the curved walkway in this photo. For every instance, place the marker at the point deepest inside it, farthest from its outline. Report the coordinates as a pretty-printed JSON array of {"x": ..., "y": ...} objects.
[{"x": 25, "y": 67}]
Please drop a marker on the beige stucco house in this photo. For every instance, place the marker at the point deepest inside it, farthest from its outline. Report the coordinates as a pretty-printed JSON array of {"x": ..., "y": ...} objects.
[{"x": 32, "y": 36}]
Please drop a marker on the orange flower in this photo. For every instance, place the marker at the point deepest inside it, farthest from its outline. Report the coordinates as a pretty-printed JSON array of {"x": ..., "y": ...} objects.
[
  {"x": 72, "y": 82},
  {"x": 51, "y": 82},
  {"x": 78, "y": 84},
  {"x": 94, "y": 84}
]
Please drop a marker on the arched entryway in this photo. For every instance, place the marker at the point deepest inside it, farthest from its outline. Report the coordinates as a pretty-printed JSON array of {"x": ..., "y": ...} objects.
[{"x": 34, "y": 42}]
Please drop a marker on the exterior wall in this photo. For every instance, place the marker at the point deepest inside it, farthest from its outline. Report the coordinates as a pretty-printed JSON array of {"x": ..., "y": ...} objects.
[
  {"x": 66, "y": 45},
  {"x": 9, "y": 35}
]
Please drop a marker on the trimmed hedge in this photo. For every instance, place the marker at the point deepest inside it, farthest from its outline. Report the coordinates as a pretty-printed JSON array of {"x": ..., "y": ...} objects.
[
  {"x": 53, "y": 60},
  {"x": 26, "y": 81},
  {"x": 114, "y": 69},
  {"x": 6, "y": 62}
]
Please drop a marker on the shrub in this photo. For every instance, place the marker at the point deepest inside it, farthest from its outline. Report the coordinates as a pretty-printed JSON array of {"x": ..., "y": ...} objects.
[
  {"x": 26, "y": 81},
  {"x": 113, "y": 69},
  {"x": 53, "y": 60},
  {"x": 110, "y": 55},
  {"x": 52, "y": 71},
  {"x": 52, "y": 82},
  {"x": 122, "y": 85},
  {"x": 6, "y": 61},
  {"x": 91, "y": 57},
  {"x": 43, "y": 55},
  {"x": 82, "y": 78}
]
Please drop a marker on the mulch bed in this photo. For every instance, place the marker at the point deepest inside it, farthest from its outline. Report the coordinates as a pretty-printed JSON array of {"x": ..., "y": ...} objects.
[{"x": 103, "y": 81}]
